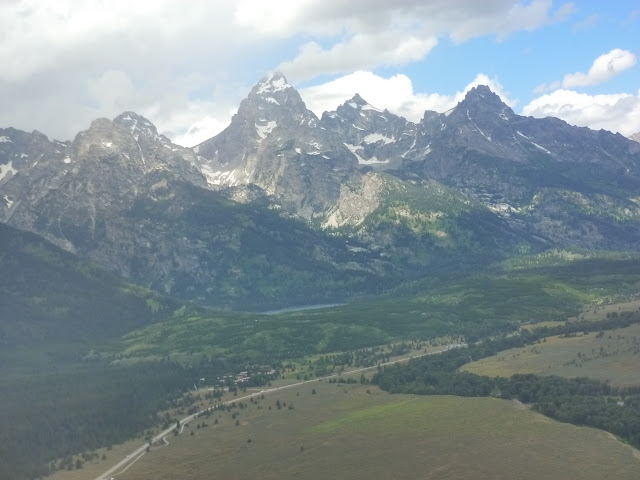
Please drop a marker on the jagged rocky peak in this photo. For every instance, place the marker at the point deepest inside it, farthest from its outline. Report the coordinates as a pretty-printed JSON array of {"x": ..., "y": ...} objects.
[
  {"x": 355, "y": 105},
  {"x": 432, "y": 114},
  {"x": 114, "y": 134},
  {"x": 482, "y": 92},
  {"x": 377, "y": 138},
  {"x": 271, "y": 102},
  {"x": 481, "y": 100},
  {"x": 353, "y": 110},
  {"x": 358, "y": 102},
  {"x": 271, "y": 92},
  {"x": 20, "y": 150},
  {"x": 272, "y": 83},
  {"x": 102, "y": 132},
  {"x": 136, "y": 124}
]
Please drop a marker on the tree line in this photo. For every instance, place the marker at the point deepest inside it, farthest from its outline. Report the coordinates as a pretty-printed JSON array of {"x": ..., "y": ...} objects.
[{"x": 580, "y": 401}]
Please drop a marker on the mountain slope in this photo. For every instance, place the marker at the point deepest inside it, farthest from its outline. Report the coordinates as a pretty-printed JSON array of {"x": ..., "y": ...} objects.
[
  {"x": 129, "y": 199},
  {"x": 567, "y": 186},
  {"x": 377, "y": 138},
  {"x": 48, "y": 296},
  {"x": 424, "y": 225},
  {"x": 276, "y": 143},
  {"x": 198, "y": 244}
]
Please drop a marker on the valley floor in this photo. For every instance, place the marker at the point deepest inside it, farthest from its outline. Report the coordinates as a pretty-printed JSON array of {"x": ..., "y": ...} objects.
[{"x": 355, "y": 431}]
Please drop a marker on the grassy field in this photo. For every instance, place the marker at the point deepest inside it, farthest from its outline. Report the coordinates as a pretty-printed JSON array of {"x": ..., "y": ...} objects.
[
  {"x": 612, "y": 356},
  {"x": 359, "y": 432}
]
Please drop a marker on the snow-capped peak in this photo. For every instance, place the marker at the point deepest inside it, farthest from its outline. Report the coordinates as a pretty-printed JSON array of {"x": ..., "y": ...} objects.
[{"x": 274, "y": 82}]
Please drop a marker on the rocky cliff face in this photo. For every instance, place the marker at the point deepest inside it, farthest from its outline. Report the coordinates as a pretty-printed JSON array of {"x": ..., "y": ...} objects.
[
  {"x": 276, "y": 143},
  {"x": 378, "y": 139},
  {"x": 69, "y": 194}
]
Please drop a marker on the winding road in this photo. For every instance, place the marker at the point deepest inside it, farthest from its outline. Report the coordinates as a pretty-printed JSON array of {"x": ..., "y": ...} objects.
[{"x": 134, "y": 456}]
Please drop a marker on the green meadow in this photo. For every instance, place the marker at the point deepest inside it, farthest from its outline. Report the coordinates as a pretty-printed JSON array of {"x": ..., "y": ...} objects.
[{"x": 611, "y": 355}]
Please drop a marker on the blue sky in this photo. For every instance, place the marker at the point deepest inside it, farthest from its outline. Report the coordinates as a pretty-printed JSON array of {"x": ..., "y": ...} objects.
[{"x": 187, "y": 65}]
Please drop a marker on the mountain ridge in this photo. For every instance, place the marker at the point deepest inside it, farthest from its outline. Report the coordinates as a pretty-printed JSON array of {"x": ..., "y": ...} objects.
[{"x": 475, "y": 181}]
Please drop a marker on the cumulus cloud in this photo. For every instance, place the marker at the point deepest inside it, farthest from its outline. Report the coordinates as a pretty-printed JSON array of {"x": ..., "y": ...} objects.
[
  {"x": 462, "y": 19},
  {"x": 368, "y": 34},
  {"x": 360, "y": 52},
  {"x": 615, "y": 112},
  {"x": 205, "y": 127},
  {"x": 604, "y": 68},
  {"x": 395, "y": 93},
  {"x": 67, "y": 62}
]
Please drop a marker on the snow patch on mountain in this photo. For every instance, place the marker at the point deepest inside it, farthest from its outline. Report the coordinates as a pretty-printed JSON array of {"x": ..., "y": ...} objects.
[
  {"x": 273, "y": 83},
  {"x": 364, "y": 161},
  {"x": 264, "y": 130},
  {"x": 7, "y": 169},
  {"x": 378, "y": 137},
  {"x": 541, "y": 148},
  {"x": 4, "y": 139},
  {"x": 373, "y": 161},
  {"x": 354, "y": 149},
  {"x": 488, "y": 137}
]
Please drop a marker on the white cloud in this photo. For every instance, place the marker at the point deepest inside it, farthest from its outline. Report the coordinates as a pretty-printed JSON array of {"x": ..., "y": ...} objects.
[
  {"x": 365, "y": 34},
  {"x": 547, "y": 87},
  {"x": 111, "y": 91},
  {"x": 201, "y": 129},
  {"x": 604, "y": 68},
  {"x": 394, "y": 93},
  {"x": 361, "y": 51},
  {"x": 462, "y": 19},
  {"x": 67, "y": 62},
  {"x": 615, "y": 112}
]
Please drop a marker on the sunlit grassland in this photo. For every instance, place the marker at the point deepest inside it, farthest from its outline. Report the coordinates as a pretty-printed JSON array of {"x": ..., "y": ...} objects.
[
  {"x": 359, "y": 432},
  {"x": 613, "y": 355}
]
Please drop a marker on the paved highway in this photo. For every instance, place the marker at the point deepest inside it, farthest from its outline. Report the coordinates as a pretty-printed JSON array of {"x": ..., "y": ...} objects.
[{"x": 123, "y": 464}]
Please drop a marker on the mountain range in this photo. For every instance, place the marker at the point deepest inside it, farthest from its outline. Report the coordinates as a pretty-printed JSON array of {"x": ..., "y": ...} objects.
[{"x": 283, "y": 207}]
